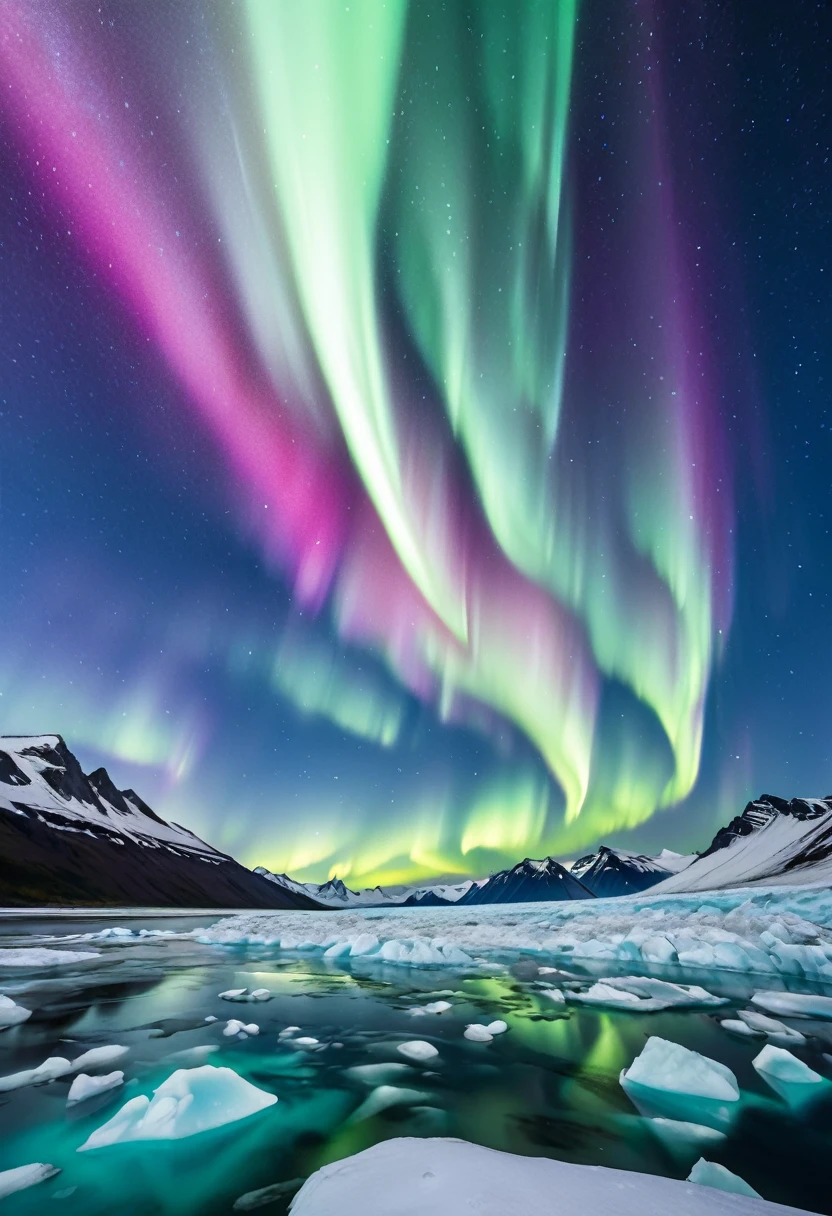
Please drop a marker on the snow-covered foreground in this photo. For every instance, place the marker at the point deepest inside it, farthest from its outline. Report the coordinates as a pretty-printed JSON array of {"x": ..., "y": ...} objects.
[
  {"x": 779, "y": 931},
  {"x": 438, "y": 1177}
]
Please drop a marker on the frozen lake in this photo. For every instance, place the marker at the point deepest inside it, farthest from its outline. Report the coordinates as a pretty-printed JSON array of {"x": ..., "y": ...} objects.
[{"x": 549, "y": 1086}]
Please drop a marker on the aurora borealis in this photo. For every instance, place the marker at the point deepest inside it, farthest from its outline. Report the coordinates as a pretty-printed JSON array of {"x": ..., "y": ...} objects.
[{"x": 408, "y": 418}]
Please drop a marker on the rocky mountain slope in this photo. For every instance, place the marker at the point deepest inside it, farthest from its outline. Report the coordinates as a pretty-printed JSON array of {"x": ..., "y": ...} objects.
[
  {"x": 616, "y": 872},
  {"x": 71, "y": 839}
]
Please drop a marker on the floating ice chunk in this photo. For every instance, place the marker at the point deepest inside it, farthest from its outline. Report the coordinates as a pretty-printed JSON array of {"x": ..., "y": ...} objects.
[
  {"x": 556, "y": 995},
  {"x": 12, "y": 1014},
  {"x": 603, "y": 994},
  {"x": 23, "y": 1176},
  {"x": 288, "y": 1031},
  {"x": 84, "y": 1086},
  {"x": 438, "y": 1007},
  {"x": 498, "y": 1027},
  {"x": 668, "y": 1080},
  {"x": 793, "y": 1080},
  {"x": 233, "y": 1027},
  {"x": 680, "y": 1137},
  {"x": 306, "y": 1041},
  {"x": 379, "y": 1074},
  {"x": 55, "y": 1066},
  {"x": 386, "y": 1096},
  {"x": 708, "y": 1173},
  {"x": 97, "y": 1057},
  {"x": 233, "y": 994},
  {"x": 365, "y": 943},
  {"x": 794, "y": 1004},
  {"x": 39, "y": 957},
  {"x": 779, "y": 1032},
  {"x": 652, "y": 994},
  {"x": 736, "y": 1026},
  {"x": 478, "y": 1033},
  {"x": 417, "y": 1049},
  {"x": 192, "y": 1100},
  {"x": 261, "y": 994},
  {"x": 266, "y": 1194},
  {"x": 211, "y": 1018}
]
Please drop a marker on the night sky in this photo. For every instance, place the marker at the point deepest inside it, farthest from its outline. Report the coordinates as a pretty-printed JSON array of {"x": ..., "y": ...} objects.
[{"x": 414, "y": 431}]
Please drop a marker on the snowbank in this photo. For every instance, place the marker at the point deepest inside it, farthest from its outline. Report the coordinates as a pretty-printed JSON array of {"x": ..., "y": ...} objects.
[
  {"x": 438, "y": 1177},
  {"x": 776, "y": 932}
]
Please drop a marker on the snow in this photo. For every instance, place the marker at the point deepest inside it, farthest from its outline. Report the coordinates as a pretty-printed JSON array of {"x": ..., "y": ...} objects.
[
  {"x": 438, "y": 1177},
  {"x": 794, "y": 1004},
  {"x": 418, "y": 1049},
  {"x": 23, "y": 1176},
  {"x": 39, "y": 957},
  {"x": 12, "y": 1014},
  {"x": 190, "y": 1101},
  {"x": 478, "y": 1033},
  {"x": 708, "y": 1173},
  {"x": 776, "y": 932},
  {"x": 84, "y": 1086},
  {"x": 668, "y": 1080},
  {"x": 793, "y": 1080}
]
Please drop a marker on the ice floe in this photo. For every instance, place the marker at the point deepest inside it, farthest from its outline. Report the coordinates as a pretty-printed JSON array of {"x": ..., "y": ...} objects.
[
  {"x": 23, "y": 1176},
  {"x": 410, "y": 1176},
  {"x": 794, "y": 1004},
  {"x": 190, "y": 1101},
  {"x": 85, "y": 1086},
  {"x": 49, "y": 1070},
  {"x": 97, "y": 1057},
  {"x": 773, "y": 932},
  {"x": 243, "y": 994},
  {"x": 791, "y": 1078},
  {"x": 709, "y": 1173},
  {"x": 680, "y": 1137},
  {"x": 671, "y": 1081},
  {"x": 40, "y": 957},
  {"x": 498, "y": 1027},
  {"x": 417, "y": 1049},
  {"x": 777, "y": 1031},
  {"x": 11, "y": 1014}
]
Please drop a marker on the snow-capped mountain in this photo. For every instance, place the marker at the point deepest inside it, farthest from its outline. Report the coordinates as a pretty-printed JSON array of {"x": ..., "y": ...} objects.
[
  {"x": 774, "y": 841},
  {"x": 527, "y": 882},
  {"x": 335, "y": 894},
  {"x": 69, "y": 838},
  {"x": 616, "y": 872}
]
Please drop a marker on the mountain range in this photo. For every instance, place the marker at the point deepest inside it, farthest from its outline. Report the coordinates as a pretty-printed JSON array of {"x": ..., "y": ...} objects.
[{"x": 70, "y": 838}]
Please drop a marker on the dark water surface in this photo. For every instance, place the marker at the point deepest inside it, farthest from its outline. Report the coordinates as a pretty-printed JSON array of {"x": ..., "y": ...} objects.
[{"x": 548, "y": 1087}]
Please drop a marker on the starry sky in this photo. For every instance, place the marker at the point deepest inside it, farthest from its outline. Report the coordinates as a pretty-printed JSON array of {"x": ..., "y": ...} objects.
[{"x": 413, "y": 417}]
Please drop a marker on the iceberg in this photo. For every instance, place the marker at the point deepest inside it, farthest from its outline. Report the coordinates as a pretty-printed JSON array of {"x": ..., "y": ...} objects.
[
  {"x": 23, "y": 1176},
  {"x": 12, "y": 1014},
  {"x": 235, "y": 1027},
  {"x": 737, "y": 1026},
  {"x": 410, "y": 1176},
  {"x": 793, "y": 1080},
  {"x": 84, "y": 1086},
  {"x": 671, "y": 1081},
  {"x": 190, "y": 1101},
  {"x": 708, "y": 1173},
  {"x": 778, "y": 1032},
  {"x": 498, "y": 1027},
  {"x": 417, "y": 1049}
]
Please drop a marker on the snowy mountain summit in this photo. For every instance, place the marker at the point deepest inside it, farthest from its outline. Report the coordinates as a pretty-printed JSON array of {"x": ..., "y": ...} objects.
[
  {"x": 71, "y": 838},
  {"x": 616, "y": 872}
]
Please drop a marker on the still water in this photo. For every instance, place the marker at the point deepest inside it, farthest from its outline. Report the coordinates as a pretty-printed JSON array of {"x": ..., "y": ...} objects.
[{"x": 547, "y": 1087}]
